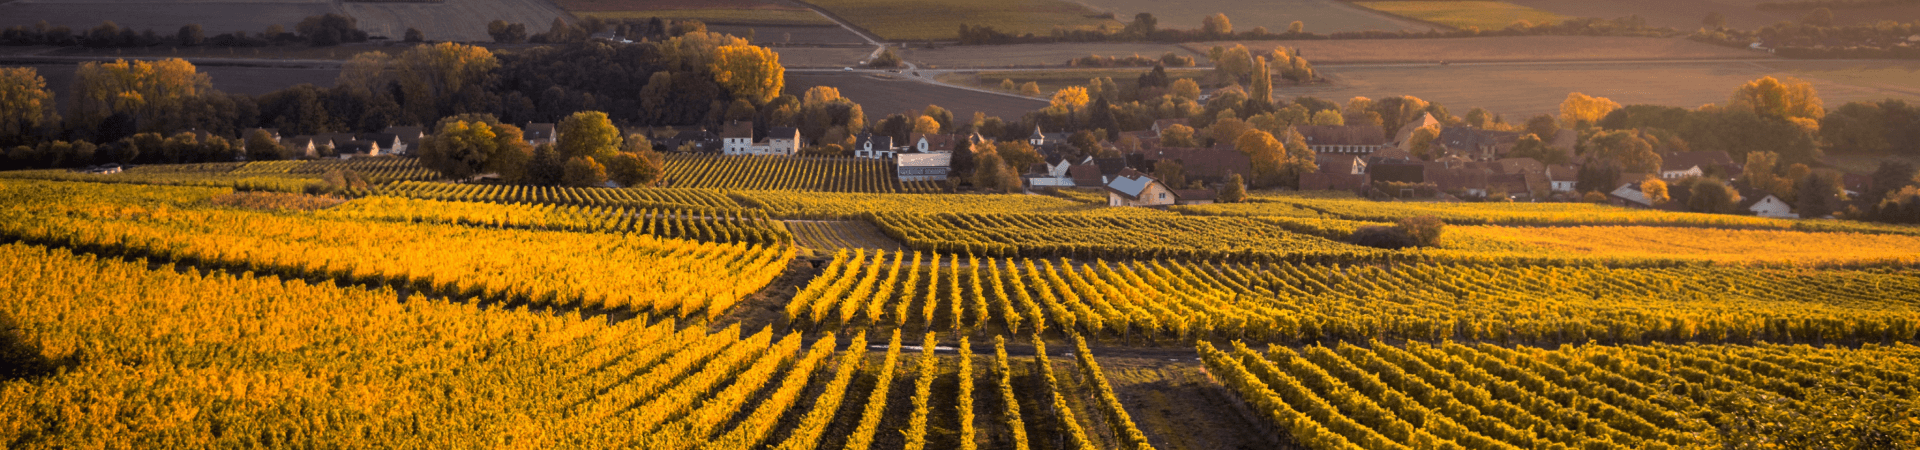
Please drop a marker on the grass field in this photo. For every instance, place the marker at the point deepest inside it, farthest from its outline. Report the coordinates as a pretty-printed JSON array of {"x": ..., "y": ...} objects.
[
  {"x": 1484, "y": 15},
  {"x": 727, "y": 16},
  {"x": 914, "y": 20},
  {"x": 1318, "y": 16}
]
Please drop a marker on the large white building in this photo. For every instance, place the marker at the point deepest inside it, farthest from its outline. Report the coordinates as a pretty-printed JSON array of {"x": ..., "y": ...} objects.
[{"x": 737, "y": 139}]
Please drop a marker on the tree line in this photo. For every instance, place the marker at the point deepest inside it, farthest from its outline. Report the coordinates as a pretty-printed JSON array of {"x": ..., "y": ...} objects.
[
  {"x": 319, "y": 31},
  {"x": 1816, "y": 35}
]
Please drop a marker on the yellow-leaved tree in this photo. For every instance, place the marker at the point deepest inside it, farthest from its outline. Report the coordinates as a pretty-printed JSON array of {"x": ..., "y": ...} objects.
[
  {"x": 24, "y": 101},
  {"x": 153, "y": 91},
  {"x": 1581, "y": 109},
  {"x": 750, "y": 72},
  {"x": 432, "y": 74}
]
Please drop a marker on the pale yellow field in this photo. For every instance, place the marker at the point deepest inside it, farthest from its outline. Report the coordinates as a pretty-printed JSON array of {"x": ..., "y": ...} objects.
[
  {"x": 1483, "y": 15},
  {"x": 1711, "y": 244}
]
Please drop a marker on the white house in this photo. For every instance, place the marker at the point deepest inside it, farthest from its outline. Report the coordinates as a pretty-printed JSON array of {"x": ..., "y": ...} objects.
[
  {"x": 1770, "y": 206},
  {"x": 1132, "y": 188},
  {"x": 927, "y": 143},
  {"x": 1056, "y": 174},
  {"x": 1562, "y": 177},
  {"x": 867, "y": 145},
  {"x": 923, "y": 166},
  {"x": 736, "y": 138},
  {"x": 1679, "y": 165}
]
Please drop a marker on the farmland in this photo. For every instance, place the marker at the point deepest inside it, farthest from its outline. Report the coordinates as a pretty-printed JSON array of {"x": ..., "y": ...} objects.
[
  {"x": 164, "y": 16},
  {"x": 1318, "y": 16},
  {"x": 1484, "y": 15},
  {"x": 1685, "y": 15},
  {"x": 880, "y": 95},
  {"x": 1053, "y": 80},
  {"x": 917, "y": 20},
  {"x": 1022, "y": 55},
  {"x": 1502, "y": 48}
]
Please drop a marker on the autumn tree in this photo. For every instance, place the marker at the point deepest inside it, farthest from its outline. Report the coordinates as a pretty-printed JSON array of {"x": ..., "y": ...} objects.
[
  {"x": 1019, "y": 155},
  {"x": 887, "y": 59},
  {"x": 991, "y": 173},
  {"x": 1625, "y": 149},
  {"x": 1178, "y": 135},
  {"x": 1170, "y": 173},
  {"x": 432, "y": 76},
  {"x": 154, "y": 93},
  {"x": 1216, "y": 25},
  {"x": 1762, "y": 172},
  {"x": 941, "y": 115},
  {"x": 749, "y": 71},
  {"x": 1712, "y": 196},
  {"x": 1543, "y": 126},
  {"x": 1030, "y": 89},
  {"x": 25, "y": 104},
  {"x": 1581, "y": 111},
  {"x": 1235, "y": 190},
  {"x": 1425, "y": 230},
  {"x": 1819, "y": 194},
  {"x": 1262, "y": 94},
  {"x": 1329, "y": 117},
  {"x": 1071, "y": 98},
  {"x": 1420, "y": 143},
  {"x": 468, "y": 145},
  {"x": 640, "y": 167},
  {"x": 1269, "y": 157},
  {"x": 584, "y": 171},
  {"x": 1530, "y": 146},
  {"x": 1778, "y": 99},
  {"x": 1655, "y": 190},
  {"x": 587, "y": 133},
  {"x": 260, "y": 147},
  {"x": 1186, "y": 88}
]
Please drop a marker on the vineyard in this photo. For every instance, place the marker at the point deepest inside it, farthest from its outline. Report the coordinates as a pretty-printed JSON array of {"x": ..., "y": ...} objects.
[
  {"x": 1164, "y": 301},
  {"x": 784, "y": 173},
  {"x": 802, "y": 304}
]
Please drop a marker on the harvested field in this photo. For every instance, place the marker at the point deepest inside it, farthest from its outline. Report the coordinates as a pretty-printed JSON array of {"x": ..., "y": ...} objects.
[
  {"x": 1679, "y": 14},
  {"x": 915, "y": 20},
  {"x": 164, "y": 17},
  {"x": 1030, "y": 55},
  {"x": 1521, "y": 89},
  {"x": 648, "y": 5},
  {"x": 1484, "y": 15},
  {"x": 1319, "y": 16},
  {"x": 237, "y": 80},
  {"x": 830, "y": 57},
  {"x": 464, "y": 20},
  {"x": 1502, "y": 48},
  {"x": 880, "y": 96},
  {"x": 716, "y": 16},
  {"x": 1054, "y": 80},
  {"x": 793, "y": 34}
]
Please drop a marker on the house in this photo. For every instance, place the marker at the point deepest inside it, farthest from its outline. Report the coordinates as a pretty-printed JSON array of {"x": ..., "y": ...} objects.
[
  {"x": 927, "y": 143},
  {"x": 1768, "y": 205},
  {"x": 357, "y": 149},
  {"x": 409, "y": 138},
  {"x": 1514, "y": 185},
  {"x": 1693, "y": 164},
  {"x": 736, "y": 138},
  {"x": 1040, "y": 140},
  {"x": 540, "y": 133},
  {"x": 1349, "y": 139},
  {"x": 923, "y": 166},
  {"x": 1340, "y": 164},
  {"x": 1520, "y": 165},
  {"x": 107, "y": 169},
  {"x": 1054, "y": 171},
  {"x": 868, "y": 145},
  {"x": 1211, "y": 165},
  {"x": 303, "y": 145},
  {"x": 1398, "y": 172},
  {"x": 1562, "y": 178},
  {"x": 1194, "y": 196},
  {"x": 1403, "y": 138},
  {"x": 1628, "y": 194},
  {"x": 783, "y": 141},
  {"x": 1324, "y": 181},
  {"x": 1132, "y": 188},
  {"x": 389, "y": 143},
  {"x": 1098, "y": 172},
  {"x": 1476, "y": 143},
  {"x": 1469, "y": 181}
]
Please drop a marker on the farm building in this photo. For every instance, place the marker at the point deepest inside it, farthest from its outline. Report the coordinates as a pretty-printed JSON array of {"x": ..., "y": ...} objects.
[
  {"x": 1348, "y": 139},
  {"x": 928, "y": 143},
  {"x": 1340, "y": 164},
  {"x": 409, "y": 138},
  {"x": 1476, "y": 143},
  {"x": 1562, "y": 177},
  {"x": 1402, "y": 138},
  {"x": 1693, "y": 164},
  {"x": 923, "y": 166},
  {"x": 737, "y": 139},
  {"x": 868, "y": 145},
  {"x": 1132, "y": 188},
  {"x": 1054, "y": 171},
  {"x": 540, "y": 133}
]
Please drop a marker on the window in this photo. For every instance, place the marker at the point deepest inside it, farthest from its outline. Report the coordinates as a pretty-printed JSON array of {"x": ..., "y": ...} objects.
[{"x": 1163, "y": 196}]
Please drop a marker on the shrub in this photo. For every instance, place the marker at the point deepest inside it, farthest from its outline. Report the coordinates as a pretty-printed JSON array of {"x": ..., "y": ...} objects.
[{"x": 1390, "y": 238}]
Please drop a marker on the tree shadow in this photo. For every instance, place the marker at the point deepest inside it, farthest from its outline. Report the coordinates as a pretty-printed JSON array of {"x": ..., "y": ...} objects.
[{"x": 22, "y": 360}]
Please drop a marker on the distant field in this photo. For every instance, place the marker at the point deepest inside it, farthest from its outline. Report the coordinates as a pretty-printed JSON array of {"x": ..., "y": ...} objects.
[
  {"x": 462, "y": 20},
  {"x": 818, "y": 56},
  {"x": 648, "y": 5},
  {"x": 162, "y": 18},
  {"x": 1318, "y": 16},
  {"x": 1685, "y": 15},
  {"x": 913, "y": 20},
  {"x": 1484, "y": 15},
  {"x": 1027, "y": 55},
  {"x": 1503, "y": 48},
  {"x": 879, "y": 97},
  {"x": 1054, "y": 80},
  {"x": 735, "y": 16},
  {"x": 1690, "y": 243},
  {"x": 1518, "y": 89}
]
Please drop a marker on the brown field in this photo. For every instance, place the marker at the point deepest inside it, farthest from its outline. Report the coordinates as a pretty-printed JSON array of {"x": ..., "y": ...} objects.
[
  {"x": 238, "y": 80},
  {"x": 1517, "y": 90},
  {"x": 880, "y": 96},
  {"x": 920, "y": 20},
  {"x": 163, "y": 17},
  {"x": 790, "y": 34},
  {"x": 1030, "y": 55},
  {"x": 1685, "y": 15},
  {"x": 1319, "y": 16},
  {"x": 830, "y": 57},
  {"x": 646, "y": 5},
  {"x": 462, "y": 20},
  {"x": 1502, "y": 48},
  {"x": 1054, "y": 80}
]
